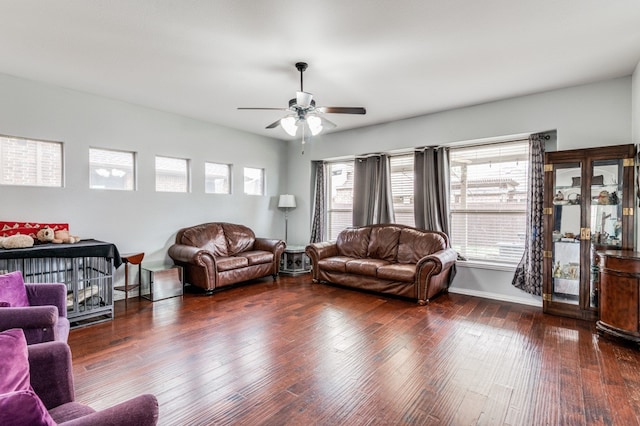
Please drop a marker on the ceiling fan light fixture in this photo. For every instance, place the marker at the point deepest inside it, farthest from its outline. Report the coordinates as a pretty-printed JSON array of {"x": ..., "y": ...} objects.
[
  {"x": 303, "y": 99},
  {"x": 289, "y": 125},
  {"x": 315, "y": 124}
]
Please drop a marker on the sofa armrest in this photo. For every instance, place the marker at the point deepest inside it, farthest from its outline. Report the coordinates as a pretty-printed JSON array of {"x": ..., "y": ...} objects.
[
  {"x": 317, "y": 251},
  {"x": 268, "y": 244},
  {"x": 443, "y": 260},
  {"x": 190, "y": 254},
  {"x": 51, "y": 373},
  {"x": 140, "y": 411},
  {"x": 48, "y": 294},
  {"x": 28, "y": 317}
]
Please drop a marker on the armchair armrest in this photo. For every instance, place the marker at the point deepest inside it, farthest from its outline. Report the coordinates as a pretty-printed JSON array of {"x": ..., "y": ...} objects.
[
  {"x": 51, "y": 373},
  {"x": 48, "y": 294},
  {"x": 321, "y": 250},
  {"x": 140, "y": 411},
  {"x": 268, "y": 244},
  {"x": 28, "y": 317}
]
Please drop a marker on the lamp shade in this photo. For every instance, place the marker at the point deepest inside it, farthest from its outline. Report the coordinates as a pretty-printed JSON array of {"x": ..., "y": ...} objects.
[{"x": 287, "y": 201}]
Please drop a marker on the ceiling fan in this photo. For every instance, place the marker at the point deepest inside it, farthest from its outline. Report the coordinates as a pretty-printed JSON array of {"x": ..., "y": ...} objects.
[{"x": 305, "y": 114}]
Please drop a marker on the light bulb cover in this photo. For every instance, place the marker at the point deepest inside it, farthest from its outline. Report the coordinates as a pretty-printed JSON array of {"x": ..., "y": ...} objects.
[
  {"x": 315, "y": 124},
  {"x": 289, "y": 125}
]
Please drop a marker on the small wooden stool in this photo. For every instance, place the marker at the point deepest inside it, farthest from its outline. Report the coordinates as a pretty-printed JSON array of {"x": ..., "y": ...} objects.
[{"x": 131, "y": 259}]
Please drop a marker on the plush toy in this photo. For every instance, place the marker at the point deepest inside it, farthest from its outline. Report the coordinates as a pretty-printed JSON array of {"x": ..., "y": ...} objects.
[
  {"x": 45, "y": 235},
  {"x": 60, "y": 237},
  {"x": 16, "y": 241}
]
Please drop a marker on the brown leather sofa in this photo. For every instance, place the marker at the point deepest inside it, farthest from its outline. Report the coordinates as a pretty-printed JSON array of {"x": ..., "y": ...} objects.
[
  {"x": 391, "y": 259},
  {"x": 218, "y": 254}
]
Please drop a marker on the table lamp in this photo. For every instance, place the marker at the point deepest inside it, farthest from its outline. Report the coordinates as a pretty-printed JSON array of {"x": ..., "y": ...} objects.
[{"x": 286, "y": 202}]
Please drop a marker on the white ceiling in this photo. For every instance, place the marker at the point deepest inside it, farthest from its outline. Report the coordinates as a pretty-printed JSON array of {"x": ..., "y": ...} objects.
[{"x": 397, "y": 58}]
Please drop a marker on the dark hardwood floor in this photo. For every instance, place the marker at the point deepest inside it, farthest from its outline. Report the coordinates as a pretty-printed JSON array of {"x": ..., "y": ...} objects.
[{"x": 296, "y": 353}]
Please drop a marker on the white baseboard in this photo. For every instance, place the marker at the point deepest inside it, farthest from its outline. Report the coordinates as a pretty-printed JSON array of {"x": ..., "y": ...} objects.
[{"x": 495, "y": 296}]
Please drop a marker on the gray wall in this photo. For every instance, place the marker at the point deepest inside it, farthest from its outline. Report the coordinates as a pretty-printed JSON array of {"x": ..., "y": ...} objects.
[
  {"x": 585, "y": 116},
  {"x": 144, "y": 219}
]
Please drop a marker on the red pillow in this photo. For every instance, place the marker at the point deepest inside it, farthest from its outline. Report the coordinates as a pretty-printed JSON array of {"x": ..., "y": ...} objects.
[{"x": 12, "y": 289}]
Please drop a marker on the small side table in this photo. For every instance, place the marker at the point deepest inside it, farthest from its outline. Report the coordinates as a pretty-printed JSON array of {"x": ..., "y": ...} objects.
[
  {"x": 130, "y": 259},
  {"x": 161, "y": 281},
  {"x": 294, "y": 261}
]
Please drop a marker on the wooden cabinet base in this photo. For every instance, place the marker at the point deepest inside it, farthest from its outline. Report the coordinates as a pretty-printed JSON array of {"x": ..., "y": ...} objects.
[{"x": 618, "y": 333}]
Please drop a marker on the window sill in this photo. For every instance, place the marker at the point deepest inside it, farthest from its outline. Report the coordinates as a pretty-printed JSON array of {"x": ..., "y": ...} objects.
[{"x": 487, "y": 265}]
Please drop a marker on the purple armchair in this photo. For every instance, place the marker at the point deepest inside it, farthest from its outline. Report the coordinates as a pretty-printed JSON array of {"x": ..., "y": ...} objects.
[
  {"x": 44, "y": 319},
  {"x": 36, "y": 387},
  {"x": 52, "y": 381}
]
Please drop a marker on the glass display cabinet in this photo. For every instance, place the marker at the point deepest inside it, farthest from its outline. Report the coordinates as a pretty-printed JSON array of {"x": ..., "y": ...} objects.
[{"x": 589, "y": 201}]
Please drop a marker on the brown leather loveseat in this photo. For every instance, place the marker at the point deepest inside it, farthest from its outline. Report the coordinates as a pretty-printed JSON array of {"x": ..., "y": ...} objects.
[
  {"x": 218, "y": 254},
  {"x": 392, "y": 259}
]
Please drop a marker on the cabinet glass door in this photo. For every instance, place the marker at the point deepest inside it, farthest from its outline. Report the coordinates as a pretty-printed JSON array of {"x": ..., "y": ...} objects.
[
  {"x": 566, "y": 233},
  {"x": 605, "y": 214}
]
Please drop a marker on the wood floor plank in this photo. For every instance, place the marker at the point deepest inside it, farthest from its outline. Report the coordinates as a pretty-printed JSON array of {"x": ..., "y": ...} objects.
[{"x": 291, "y": 352}]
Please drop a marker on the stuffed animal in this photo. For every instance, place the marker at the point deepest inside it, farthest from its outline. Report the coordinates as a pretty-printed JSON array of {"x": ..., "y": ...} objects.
[
  {"x": 16, "y": 241},
  {"x": 45, "y": 235},
  {"x": 60, "y": 237}
]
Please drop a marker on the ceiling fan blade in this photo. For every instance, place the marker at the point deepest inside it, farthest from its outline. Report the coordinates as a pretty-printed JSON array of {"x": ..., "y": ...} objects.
[
  {"x": 342, "y": 110},
  {"x": 273, "y": 125},
  {"x": 274, "y": 109},
  {"x": 328, "y": 124}
]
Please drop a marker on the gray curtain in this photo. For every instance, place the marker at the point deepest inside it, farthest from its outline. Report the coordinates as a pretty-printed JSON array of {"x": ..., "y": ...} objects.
[
  {"x": 372, "y": 201},
  {"x": 431, "y": 189},
  {"x": 319, "y": 202},
  {"x": 528, "y": 275}
]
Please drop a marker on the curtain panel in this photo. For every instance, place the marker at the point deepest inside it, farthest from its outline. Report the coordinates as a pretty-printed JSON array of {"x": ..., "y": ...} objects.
[
  {"x": 528, "y": 275},
  {"x": 372, "y": 200},
  {"x": 319, "y": 202},
  {"x": 431, "y": 189}
]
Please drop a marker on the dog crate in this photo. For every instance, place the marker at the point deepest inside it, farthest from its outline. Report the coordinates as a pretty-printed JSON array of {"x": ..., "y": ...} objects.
[{"x": 89, "y": 279}]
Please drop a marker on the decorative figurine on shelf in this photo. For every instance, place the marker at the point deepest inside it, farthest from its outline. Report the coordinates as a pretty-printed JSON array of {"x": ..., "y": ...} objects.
[
  {"x": 603, "y": 198},
  {"x": 557, "y": 271},
  {"x": 613, "y": 198},
  {"x": 559, "y": 196}
]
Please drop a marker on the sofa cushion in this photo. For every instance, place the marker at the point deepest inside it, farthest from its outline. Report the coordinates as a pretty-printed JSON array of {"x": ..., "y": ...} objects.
[
  {"x": 208, "y": 236},
  {"x": 353, "y": 242},
  {"x": 70, "y": 411},
  {"x": 239, "y": 238},
  {"x": 12, "y": 289},
  {"x": 415, "y": 244},
  {"x": 383, "y": 243},
  {"x": 232, "y": 262},
  {"x": 365, "y": 266},
  {"x": 335, "y": 263},
  {"x": 256, "y": 257},
  {"x": 398, "y": 272}
]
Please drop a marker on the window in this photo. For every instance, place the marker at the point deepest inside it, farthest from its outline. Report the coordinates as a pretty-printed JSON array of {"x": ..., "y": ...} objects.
[
  {"x": 489, "y": 201},
  {"x": 172, "y": 174},
  {"x": 217, "y": 178},
  {"x": 110, "y": 169},
  {"x": 30, "y": 162},
  {"x": 402, "y": 179},
  {"x": 253, "y": 181},
  {"x": 339, "y": 197}
]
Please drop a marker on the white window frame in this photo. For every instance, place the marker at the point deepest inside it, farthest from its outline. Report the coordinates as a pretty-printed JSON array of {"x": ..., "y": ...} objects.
[
  {"x": 117, "y": 167},
  {"x": 497, "y": 235},
  {"x": 184, "y": 172},
  {"x": 45, "y": 159},
  {"x": 212, "y": 179},
  {"x": 339, "y": 197}
]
